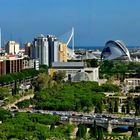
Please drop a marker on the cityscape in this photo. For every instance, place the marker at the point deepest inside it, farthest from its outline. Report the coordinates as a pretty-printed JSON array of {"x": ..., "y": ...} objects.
[{"x": 56, "y": 84}]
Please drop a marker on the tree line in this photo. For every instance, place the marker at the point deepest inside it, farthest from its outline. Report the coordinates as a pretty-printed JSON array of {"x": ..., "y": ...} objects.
[
  {"x": 18, "y": 76},
  {"x": 119, "y": 69}
]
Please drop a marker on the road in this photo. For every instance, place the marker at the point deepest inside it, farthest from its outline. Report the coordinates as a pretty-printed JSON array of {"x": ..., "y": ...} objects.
[{"x": 84, "y": 117}]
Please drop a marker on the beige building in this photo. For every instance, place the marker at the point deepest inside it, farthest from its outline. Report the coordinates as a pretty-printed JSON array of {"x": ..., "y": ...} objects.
[
  {"x": 12, "y": 47},
  {"x": 131, "y": 83},
  {"x": 62, "y": 52}
]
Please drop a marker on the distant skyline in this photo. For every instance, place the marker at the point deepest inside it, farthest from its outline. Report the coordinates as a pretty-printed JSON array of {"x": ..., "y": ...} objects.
[{"x": 95, "y": 21}]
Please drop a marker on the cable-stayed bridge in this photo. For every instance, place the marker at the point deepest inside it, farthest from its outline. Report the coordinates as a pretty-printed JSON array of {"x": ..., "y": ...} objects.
[{"x": 68, "y": 39}]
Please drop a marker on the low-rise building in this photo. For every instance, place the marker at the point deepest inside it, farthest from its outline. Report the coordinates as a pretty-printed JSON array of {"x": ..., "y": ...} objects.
[
  {"x": 13, "y": 63},
  {"x": 131, "y": 83},
  {"x": 75, "y": 71},
  {"x": 30, "y": 63}
]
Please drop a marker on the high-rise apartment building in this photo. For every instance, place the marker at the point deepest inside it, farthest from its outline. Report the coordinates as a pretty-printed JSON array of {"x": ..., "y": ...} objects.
[
  {"x": 40, "y": 50},
  {"x": 12, "y": 47},
  {"x": 46, "y": 49},
  {"x": 28, "y": 47},
  {"x": 53, "y": 44}
]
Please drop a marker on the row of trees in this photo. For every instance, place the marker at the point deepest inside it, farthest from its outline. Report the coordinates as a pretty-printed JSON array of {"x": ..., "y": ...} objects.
[
  {"x": 10, "y": 78},
  {"x": 95, "y": 132},
  {"x": 132, "y": 103}
]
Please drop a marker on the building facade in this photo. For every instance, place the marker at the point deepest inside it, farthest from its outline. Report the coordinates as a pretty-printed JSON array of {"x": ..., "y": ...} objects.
[
  {"x": 28, "y": 48},
  {"x": 48, "y": 50},
  {"x": 75, "y": 71},
  {"x": 2, "y": 67},
  {"x": 30, "y": 63},
  {"x": 62, "y": 52},
  {"x": 12, "y": 64},
  {"x": 12, "y": 47},
  {"x": 131, "y": 83}
]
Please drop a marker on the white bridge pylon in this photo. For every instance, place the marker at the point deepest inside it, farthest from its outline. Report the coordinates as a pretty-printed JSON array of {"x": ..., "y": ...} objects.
[{"x": 68, "y": 38}]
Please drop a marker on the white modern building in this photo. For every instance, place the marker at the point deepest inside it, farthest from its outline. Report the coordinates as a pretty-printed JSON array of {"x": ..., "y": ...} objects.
[
  {"x": 30, "y": 63},
  {"x": 115, "y": 50},
  {"x": 76, "y": 71},
  {"x": 12, "y": 47}
]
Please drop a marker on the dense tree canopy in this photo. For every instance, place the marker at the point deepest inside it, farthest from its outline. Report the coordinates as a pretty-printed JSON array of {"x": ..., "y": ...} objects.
[
  {"x": 4, "y": 92},
  {"x": 24, "y": 104},
  {"x": 33, "y": 127},
  {"x": 82, "y": 96},
  {"x": 4, "y": 115},
  {"x": 119, "y": 69},
  {"x": 82, "y": 130}
]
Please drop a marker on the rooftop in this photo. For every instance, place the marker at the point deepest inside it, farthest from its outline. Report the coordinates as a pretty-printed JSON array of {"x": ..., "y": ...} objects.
[{"x": 68, "y": 64}]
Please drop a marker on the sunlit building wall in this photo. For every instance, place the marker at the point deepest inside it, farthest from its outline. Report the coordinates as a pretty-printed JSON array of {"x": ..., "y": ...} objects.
[
  {"x": 12, "y": 47},
  {"x": 40, "y": 50},
  {"x": 46, "y": 49},
  {"x": 28, "y": 47},
  {"x": 63, "y": 52},
  {"x": 14, "y": 65}
]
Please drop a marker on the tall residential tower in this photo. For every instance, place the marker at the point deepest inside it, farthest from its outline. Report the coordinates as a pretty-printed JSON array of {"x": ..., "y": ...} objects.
[
  {"x": 48, "y": 50},
  {"x": 12, "y": 47}
]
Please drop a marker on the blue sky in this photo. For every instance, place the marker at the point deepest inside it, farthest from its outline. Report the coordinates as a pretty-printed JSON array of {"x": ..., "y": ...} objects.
[{"x": 95, "y": 21}]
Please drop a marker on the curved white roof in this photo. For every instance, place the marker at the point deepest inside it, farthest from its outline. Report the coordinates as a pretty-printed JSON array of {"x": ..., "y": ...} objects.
[{"x": 114, "y": 50}]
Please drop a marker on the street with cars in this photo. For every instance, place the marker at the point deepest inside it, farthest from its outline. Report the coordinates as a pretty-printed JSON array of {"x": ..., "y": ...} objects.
[{"x": 85, "y": 117}]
